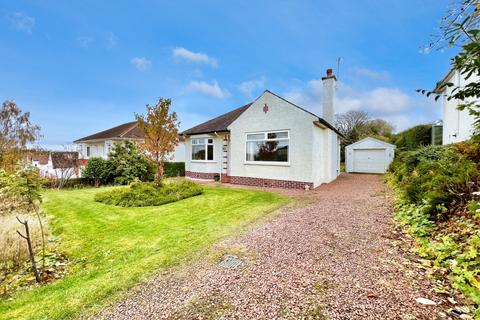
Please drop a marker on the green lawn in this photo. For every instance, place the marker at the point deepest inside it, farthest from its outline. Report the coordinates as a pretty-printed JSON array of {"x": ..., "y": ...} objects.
[{"x": 116, "y": 248}]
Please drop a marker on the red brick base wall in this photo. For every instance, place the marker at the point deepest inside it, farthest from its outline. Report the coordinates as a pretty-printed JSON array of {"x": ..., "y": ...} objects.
[
  {"x": 270, "y": 183},
  {"x": 201, "y": 175},
  {"x": 225, "y": 178}
]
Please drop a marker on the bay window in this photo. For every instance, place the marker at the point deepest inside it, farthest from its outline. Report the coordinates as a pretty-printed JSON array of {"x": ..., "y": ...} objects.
[
  {"x": 202, "y": 149},
  {"x": 268, "y": 147}
]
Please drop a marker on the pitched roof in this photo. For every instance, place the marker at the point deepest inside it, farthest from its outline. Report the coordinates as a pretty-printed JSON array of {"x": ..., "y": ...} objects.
[
  {"x": 64, "y": 159},
  {"x": 222, "y": 122},
  {"x": 384, "y": 143},
  {"x": 38, "y": 155},
  {"x": 219, "y": 123},
  {"x": 128, "y": 130},
  {"x": 439, "y": 86}
]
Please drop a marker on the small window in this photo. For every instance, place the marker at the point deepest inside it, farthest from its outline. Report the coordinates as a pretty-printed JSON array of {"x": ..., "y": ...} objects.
[
  {"x": 88, "y": 151},
  {"x": 256, "y": 136},
  {"x": 202, "y": 149},
  {"x": 277, "y": 135},
  {"x": 267, "y": 147}
]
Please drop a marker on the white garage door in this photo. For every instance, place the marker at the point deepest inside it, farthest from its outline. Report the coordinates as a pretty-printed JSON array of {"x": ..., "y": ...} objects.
[{"x": 369, "y": 160}]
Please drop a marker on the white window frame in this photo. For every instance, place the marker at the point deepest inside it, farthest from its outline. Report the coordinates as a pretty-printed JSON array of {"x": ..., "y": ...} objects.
[
  {"x": 265, "y": 133},
  {"x": 206, "y": 144}
]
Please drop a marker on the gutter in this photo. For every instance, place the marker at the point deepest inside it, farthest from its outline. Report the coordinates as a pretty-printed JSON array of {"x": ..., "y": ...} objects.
[{"x": 438, "y": 87}]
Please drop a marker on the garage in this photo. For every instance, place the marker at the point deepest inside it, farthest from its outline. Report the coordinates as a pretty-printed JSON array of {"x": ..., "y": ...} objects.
[{"x": 369, "y": 155}]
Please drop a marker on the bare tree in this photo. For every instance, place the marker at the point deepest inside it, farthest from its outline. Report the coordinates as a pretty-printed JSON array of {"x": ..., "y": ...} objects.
[
  {"x": 65, "y": 166},
  {"x": 351, "y": 122},
  {"x": 355, "y": 125},
  {"x": 27, "y": 238}
]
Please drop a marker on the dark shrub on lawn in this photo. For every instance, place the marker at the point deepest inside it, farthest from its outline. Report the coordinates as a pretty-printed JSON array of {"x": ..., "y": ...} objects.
[
  {"x": 174, "y": 169},
  {"x": 438, "y": 176},
  {"x": 130, "y": 164},
  {"x": 125, "y": 164},
  {"x": 99, "y": 171},
  {"x": 141, "y": 194}
]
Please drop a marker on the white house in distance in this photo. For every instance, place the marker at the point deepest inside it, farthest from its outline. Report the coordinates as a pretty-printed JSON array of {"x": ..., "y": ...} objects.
[
  {"x": 369, "y": 155},
  {"x": 457, "y": 125},
  {"x": 269, "y": 142},
  {"x": 55, "y": 164},
  {"x": 100, "y": 144}
]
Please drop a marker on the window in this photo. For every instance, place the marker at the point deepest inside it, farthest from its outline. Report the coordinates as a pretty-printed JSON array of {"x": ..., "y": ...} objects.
[
  {"x": 88, "y": 151},
  {"x": 267, "y": 147},
  {"x": 202, "y": 149}
]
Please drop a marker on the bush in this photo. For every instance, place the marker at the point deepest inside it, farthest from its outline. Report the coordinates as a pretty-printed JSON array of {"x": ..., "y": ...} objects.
[
  {"x": 129, "y": 164},
  {"x": 141, "y": 194},
  {"x": 174, "y": 169},
  {"x": 99, "y": 171},
  {"x": 125, "y": 164},
  {"x": 74, "y": 183},
  {"x": 469, "y": 149},
  {"x": 438, "y": 204},
  {"x": 438, "y": 176},
  {"x": 414, "y": 138}
]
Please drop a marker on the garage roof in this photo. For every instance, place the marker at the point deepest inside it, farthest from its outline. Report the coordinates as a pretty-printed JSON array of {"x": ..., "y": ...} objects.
[{"x": 377, "y": 141}]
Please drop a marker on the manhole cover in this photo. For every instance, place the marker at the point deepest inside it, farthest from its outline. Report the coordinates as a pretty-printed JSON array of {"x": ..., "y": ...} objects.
[{"x": 231, "y": 262}]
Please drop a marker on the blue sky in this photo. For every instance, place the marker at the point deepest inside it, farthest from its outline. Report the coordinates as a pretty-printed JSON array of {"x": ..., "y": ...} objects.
[{"x": 83, "y": 66}]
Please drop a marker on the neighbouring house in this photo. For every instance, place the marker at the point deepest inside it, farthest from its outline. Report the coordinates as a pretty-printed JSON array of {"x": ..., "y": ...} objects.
[
  {"x": 457, "y": 125},
  {"x": 369, "y": 155},
  {"x": 100, "y": 144},
  {"x": 55, "y": 164},
  {"x": 269, "y": 142}
]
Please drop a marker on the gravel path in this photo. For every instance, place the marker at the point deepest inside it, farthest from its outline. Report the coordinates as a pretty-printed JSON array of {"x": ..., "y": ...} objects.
[{"x": 330, "y": 256}]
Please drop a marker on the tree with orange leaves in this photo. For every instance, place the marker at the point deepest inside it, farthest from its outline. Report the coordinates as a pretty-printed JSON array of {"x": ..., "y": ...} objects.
[{"x": 160, "y": 128}]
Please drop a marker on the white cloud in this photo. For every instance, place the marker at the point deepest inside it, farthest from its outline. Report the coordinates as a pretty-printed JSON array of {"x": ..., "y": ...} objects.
[
  {"x": 371, "y": 74},
  {"x": 378, "y": 100},
  {"x": 403, "y": 110},
  {"x": 22, "y": 22},
  {"x": 212, "y": 89},
  {"x": 249, "y": 87},
  {"x": 141, "y": 63},
  {"x": 307, "y": 95},
  {"x": 85, "y": 41},
  {"x": 198, "y": 57}
]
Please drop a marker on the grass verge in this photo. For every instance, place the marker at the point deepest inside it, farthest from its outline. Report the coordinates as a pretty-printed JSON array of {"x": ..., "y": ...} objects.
[{"x": 115, "y": 248}]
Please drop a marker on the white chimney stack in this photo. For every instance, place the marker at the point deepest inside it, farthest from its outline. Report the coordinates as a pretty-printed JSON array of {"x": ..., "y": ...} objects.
[{"x": 328, "y": 98}]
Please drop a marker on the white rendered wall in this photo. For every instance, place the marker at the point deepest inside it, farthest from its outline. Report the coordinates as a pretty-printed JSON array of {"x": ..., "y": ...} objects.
[
  {"x": 457, "y": 125},
  {"x": 179, "y": 153},
  {"x": 281, "y": 115},
  {"x": 204, "y": 166}
]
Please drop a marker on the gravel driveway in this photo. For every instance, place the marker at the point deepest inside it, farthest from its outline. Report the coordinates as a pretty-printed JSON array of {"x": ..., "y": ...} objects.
[{"x": 329, "y": 256}]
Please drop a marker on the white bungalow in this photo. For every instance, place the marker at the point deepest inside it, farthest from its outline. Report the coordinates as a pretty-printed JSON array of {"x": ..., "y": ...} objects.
[
  {"x": 268, "y": 142},
  {"x": 100, "y": 144}
]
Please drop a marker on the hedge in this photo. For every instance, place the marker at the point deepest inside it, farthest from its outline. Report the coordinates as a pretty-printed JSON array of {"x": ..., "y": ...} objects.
[{"x": 174, "y": 169}]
